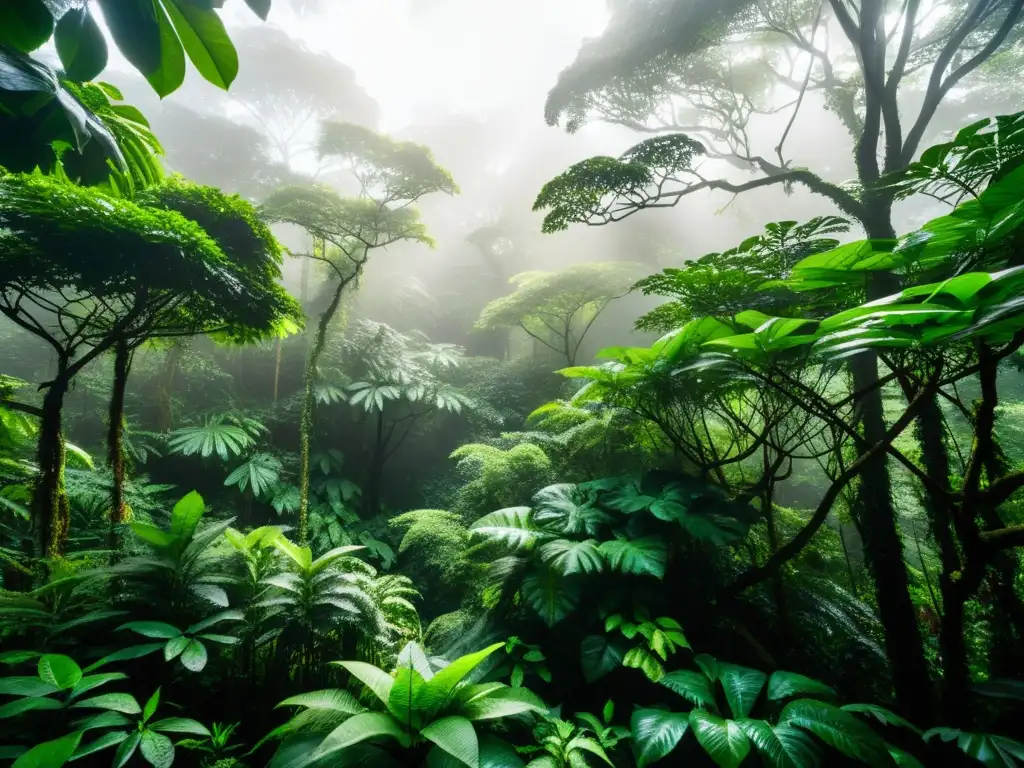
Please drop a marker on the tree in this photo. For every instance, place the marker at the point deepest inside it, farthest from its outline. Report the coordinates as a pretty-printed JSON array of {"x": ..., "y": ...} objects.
[
  {"x": 87, "y": 273},
  {"x": 392, "y": 175},
  {"x": 672, "y": 66},
  {"x": 287, "y": 90},
  {"x": 558, "y": 308}
]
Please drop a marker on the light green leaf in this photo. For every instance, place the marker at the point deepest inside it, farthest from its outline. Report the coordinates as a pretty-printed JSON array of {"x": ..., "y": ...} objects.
[
  {"x": 503, "y": 702},
  {"x": 194, "y": 657},
  {"x": 656, "y": 732},
  {"x": 127, "y": 749},
  {"x": 186, "y": 515},
  {"x": 456, "y": 736},
  {"x": 157, "y": 749},
  {"x": 438, "y": 690},
  {"x": 205, "y": 41},
  {"x": 695, "y": 687},
  {"x": 105, "y": 741},
  {"x": 26, "y": 686},
  {"x": 150, "y": 708},
  {"x": 152, "y": 629},
  {"x": 180, "y": 725},
  {"x": 21, "y": 706},
  {"x": 374, "y": 678},
  {"x": 723, "y": 740},
  {"x": 359, "y": 728},
  {"x": 332, "y": 699},
  {"x": 513, "y": 526},
  {"x": 637, "y": 556},
  {"x": 95, "y": 681},
  {"x": 175, "y": 646},
  {"x": 742, "y": 687},
  {"x": 569, "y": 557},
  {"x": 116, "y": 702}
]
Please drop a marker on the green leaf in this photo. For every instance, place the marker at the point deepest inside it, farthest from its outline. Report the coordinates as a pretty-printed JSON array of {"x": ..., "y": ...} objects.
[
  {"x": 25, "y": 24},
  {"x": 80, "y": 44},
  {"x": 116, "y": 702},
  {"x": 656, "y": 732},
  {"x": 742, "y": 687},
  {"x": 144, "y": 35},
  {"x": 105, "y": 720},
  {"x": 103, "y": 742},
  {"x": 456, "y": 736},
  {"x": 21, "y": 706},
  {"x": 374, "y": 678},
  {"x": 692, "y": 686},
  {"x": 334, "y": 700},
  {"x": 95, "y": 681},
  {"x": 152, "y": 629},
  {"x": 207, "y": 44},
  {"x": 180, "y": 725},
  {"x": 216, "y": 618},
  {"x": 194, "y": 657},
  {"x": 17, "y": 657},
  {"x": 839, "y": 729},
  {"x": 551, "y": 595},
  {"x": 882, "y": 715},
  {"x": 600, "y": 655},
  {"x": 408, "y": 683},
  {"x": 513, "y": 526},
  {"x": 59, "y": 670},
  {"x": 186, "y": 515},
  {"x": 150, "y": 708},
  {"x": 439, "y": 688},
  {"x": 723, "y": 740},
  {"x": 359, "y": 728},
  {"x": 50, "y": 754},
  {"x": 782, "y": 685},
  {"x": 569, "y": 557},
  {"x": 157, "y": 749},
  {"x": 26, "y": 686},
  {"x": 133, "y": 652},
  {"x": 502, "y": 702},
  {"x": 637, "y": 556},
  {"x": 127, "y": 749},
  {"x": 175, "y": 646},
  {"x": 904, "y": 759},
  {"x": 782, "y": 746},
  {"x": 152, "y": 535}
]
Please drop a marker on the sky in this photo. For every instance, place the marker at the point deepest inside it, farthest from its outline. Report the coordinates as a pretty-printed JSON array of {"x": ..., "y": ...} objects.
[{"x": 444, "y": 55}]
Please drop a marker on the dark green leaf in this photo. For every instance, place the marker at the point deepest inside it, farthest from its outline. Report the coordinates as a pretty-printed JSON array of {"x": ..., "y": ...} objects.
[
  {"x": 20, "y": 706},
  {"x": 26, "y": 686},
  {"x": 80, "y": 44},
  {"x": 692, "y": 686},
  {"x": 25, "y": 24},
  {"x": 742, "y": 687},
  {"x": 782, "y": 685},
  {"x": 782, "y": 746},
  {"x": 50, "y": 754},
  {"x": 599, "y": 655},
  {"x": 127, "y": 749},
  {"x": 260, "y": 7},
  {"x": 839, "y": 729}
]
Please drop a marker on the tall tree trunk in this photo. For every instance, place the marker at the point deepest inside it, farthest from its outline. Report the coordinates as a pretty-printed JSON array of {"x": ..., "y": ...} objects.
[
  {"x": 277, "y": 370},
  {"x": 51, "y": 514},
  {"x": 115, "y": 440},
  {"x": 308, "y": 405},
  {"x": 883, "y": 544}
]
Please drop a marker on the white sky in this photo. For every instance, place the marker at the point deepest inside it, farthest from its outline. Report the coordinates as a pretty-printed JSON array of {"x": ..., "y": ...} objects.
[{"x": 462, "y": 55}]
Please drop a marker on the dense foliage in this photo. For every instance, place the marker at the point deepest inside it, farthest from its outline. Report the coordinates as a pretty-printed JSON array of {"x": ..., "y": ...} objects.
[{"x": 785, "y": 532}]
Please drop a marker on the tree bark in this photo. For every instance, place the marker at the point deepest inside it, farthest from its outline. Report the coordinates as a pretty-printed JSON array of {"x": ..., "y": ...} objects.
[
  {"x": 308, "y": 405},
  {"x": 51, "y": 513},
  {"x": 115, "y": 440}
]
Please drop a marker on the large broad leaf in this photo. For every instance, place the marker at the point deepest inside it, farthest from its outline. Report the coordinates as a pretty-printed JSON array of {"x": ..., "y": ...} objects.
[
  {"x": 374, "y": 678},
  {"x": 50, "y": 754},
  {"x": 513, "y": 526},
  {"x": 782, "y": 746},
  {"x": 992, "y": 751},
  {"x": 637, "y": 556},
  {"x": 402, "y": 702},
  {"x": 80, "y": 44},
  {"x": 656, "y": 732},
  {"x": 551, "y": 595},
  {"x": 456, "y": 736},
  {"x": 502, "y": 702},
  {"x": 742, "y": 686},
  {"x": 412, "y": 656},
  {"x": 692, "y": 686},
  {"x": 206, "y": 42},
  {"x": 839, "y": 729},
  {"x": 783, "y": 685},
  {"x": 359, "y": 728},
  {"x": 333, "y": 699},
  {"x": 599, "y": 655},
  {"x": 147, "y": 39},
  {"x": 723, "y": 740},
  {"x": 186, "y": 515},
  {"x": 569, "y": 557},
  {"x": 58, "y": 670}
]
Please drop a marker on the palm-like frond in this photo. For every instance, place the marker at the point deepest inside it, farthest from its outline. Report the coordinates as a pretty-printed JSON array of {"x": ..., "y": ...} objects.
[
  {"x": 261, "y": 471},
  {"x": 216, "y": 436}
]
